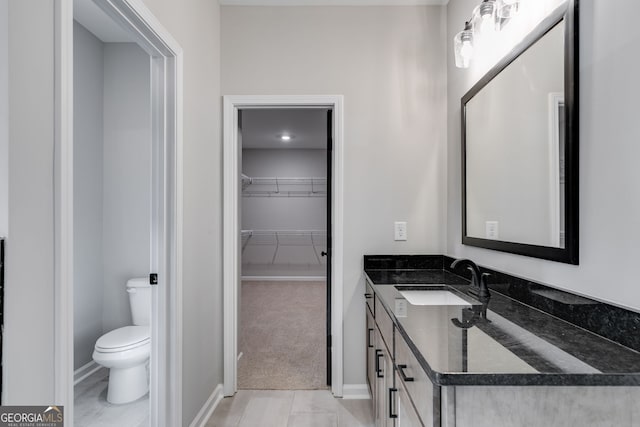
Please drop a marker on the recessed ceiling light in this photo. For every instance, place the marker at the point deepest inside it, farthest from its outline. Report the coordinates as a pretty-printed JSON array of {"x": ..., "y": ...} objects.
[{"x": 286, "y": 137}]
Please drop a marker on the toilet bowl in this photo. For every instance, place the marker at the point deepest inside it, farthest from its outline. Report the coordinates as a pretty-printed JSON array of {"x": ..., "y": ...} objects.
[{"x": 125, "y": 351}]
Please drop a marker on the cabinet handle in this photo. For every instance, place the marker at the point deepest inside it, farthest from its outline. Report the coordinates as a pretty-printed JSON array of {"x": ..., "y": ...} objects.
[
  {"x": 404, "y": 376},
  {"x": 391, "y": 414},
  {"x": 368, "y": 296},
  {"x": 369, "y": 338},
  {"x": 378, "y": 370}
]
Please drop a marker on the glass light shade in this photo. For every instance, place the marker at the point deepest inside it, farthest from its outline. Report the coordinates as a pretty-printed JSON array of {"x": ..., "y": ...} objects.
[
  {"x": 485, "y": 18},
  {"x": 508, "y": 8},
  {"x": 463, "y": 47}
]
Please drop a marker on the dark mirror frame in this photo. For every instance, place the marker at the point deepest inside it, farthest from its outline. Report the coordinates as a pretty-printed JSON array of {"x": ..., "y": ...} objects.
[{"x": 568, "y": 254}]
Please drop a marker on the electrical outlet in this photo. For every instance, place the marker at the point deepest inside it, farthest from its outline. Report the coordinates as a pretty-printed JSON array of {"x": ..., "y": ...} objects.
[
  {"x": 401, "y": 307},
  {"x": 491, "y": 230},
  {"x": 400, "y": 228}
]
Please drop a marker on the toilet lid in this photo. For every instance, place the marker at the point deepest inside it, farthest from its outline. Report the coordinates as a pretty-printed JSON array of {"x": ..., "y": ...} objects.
[{"x": 125, "y": 338}]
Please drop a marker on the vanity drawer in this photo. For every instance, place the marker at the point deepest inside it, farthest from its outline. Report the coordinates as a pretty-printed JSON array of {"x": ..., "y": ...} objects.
[
  {"x": 369, "y": 296},
  {"x": 385, "y": 325},
  {"x": 424, "y": 395}
]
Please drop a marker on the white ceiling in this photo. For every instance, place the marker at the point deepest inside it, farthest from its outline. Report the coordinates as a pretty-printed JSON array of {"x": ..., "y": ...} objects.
[
  {"x": 95, "y": 20},
  {"x": 333, "y": 2},
  {"x": 262, "y": 128}
]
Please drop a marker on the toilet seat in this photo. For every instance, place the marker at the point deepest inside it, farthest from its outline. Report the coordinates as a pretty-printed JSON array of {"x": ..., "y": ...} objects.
[{"x": 123, "y": 339}]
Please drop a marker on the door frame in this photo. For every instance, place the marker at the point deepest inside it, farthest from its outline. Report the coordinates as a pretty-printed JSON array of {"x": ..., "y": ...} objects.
[
  {"x": 232, "y": 225},
  {"x": 166, "y": 117}
]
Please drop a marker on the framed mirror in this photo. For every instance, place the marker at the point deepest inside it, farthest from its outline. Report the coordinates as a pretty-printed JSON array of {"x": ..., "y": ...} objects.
[{"x": 520, "y": 147}]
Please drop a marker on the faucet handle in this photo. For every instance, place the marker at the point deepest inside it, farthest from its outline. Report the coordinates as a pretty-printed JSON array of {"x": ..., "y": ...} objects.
[{"x": 484, "y": 288}]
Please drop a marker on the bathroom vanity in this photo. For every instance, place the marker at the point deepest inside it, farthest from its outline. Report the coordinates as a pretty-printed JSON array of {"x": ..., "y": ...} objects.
[{"x": 437, "y": 356}]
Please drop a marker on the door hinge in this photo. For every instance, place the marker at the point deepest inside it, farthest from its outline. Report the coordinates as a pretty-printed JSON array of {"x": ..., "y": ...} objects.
[{"x": 153, "y": 279}]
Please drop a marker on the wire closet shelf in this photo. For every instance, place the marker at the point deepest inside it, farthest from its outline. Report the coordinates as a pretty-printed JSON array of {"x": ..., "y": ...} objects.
[
  {"x": 284, "y": 186},
  {"x": 317, "y": 239}
]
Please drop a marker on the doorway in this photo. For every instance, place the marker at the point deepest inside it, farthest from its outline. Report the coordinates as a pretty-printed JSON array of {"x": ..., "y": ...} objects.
[
  {"x": 128, "y": 149},
  {"x": 285, "y": 298},
  {"x": 280, "y": 239},
  {"x": 112, "y": 226}
]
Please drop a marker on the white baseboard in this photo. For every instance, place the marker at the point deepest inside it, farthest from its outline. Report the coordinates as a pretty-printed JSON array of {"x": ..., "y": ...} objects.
[
  {"x": 207, "y": 409},
  {"x": 355, "y": 391},
  {"x": 84, "y": 372},
  {"x": 284, "y": 278}
]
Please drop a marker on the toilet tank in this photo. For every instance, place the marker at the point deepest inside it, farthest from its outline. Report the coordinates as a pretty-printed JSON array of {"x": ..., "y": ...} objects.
[{"x": 139, "y": 291}]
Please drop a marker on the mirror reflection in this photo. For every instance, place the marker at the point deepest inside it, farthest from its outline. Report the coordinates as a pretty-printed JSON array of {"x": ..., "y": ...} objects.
[{"x": 514, "y": 145}]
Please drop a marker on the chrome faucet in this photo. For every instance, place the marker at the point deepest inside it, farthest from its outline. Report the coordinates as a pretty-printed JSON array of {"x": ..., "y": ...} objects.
[{"x": 478, "y": 279}]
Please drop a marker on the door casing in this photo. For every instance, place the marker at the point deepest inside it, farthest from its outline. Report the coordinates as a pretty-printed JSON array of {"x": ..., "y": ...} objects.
[
  {"x": 231, "y": 225},
  {"x": 166, "y": 259}
]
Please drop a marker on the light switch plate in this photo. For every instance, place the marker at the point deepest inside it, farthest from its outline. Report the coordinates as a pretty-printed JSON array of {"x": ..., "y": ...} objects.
[{"x": 400, "y": 231}]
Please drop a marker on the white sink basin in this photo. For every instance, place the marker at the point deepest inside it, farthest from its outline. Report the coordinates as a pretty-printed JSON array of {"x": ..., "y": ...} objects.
[{"x": 433, "y": 297}]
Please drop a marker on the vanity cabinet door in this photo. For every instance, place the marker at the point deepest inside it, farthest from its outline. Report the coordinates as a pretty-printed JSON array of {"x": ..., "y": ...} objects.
[
  {"x": 384, "y": 382},
  {"x": 385, "y": 324},
  {"x": 368, "y": 297},
  {"x": 404, "y": 409},
  {"x": 423, "y": 393},
  {"x": 371, "y": 353}
]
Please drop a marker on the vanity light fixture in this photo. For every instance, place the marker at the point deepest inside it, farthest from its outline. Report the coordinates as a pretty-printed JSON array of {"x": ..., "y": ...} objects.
[
  {"x": 463, "y": 44},
  {"x": 487, "y": 19},
  {"x": 285, "y": 137}
]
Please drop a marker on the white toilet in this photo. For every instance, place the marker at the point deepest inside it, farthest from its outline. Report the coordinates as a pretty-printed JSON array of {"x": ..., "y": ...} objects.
[{"x": 125, "y": 351}]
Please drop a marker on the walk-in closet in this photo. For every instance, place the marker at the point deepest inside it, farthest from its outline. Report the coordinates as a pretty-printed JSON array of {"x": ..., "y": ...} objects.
[{"x": 284, "y": 203}]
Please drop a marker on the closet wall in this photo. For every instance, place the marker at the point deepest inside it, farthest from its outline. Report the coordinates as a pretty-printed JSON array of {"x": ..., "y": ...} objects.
[
  {"x": 284, "y": 221},
  {"x": 127, "y": 176}
]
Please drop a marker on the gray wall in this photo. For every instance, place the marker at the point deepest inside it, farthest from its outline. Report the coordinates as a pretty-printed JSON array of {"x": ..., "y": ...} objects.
[
  {"x": 4, "y": 118},
  {"x": 88, "y": 75},
  {"x": 195, "y": 24},
  {"x": 284, "y": 213},
  {"x": 609, "y": 131},
  {"x": 29, "y": 322},
  {"x": 387, "y": 62},
  {"x": 126, "y": 202},
  {"x": 29, "y": 311},
  {"x": 284, "y": 162}
]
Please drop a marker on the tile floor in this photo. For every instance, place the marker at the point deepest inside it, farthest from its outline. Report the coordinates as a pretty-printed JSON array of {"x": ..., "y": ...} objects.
[
  {"x": 300, "y": 408},
  {"x": 91, "y": 408}
]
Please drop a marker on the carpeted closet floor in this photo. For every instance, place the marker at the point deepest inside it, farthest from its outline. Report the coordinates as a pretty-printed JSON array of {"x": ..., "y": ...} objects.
[{"x": 282, "y": 336}]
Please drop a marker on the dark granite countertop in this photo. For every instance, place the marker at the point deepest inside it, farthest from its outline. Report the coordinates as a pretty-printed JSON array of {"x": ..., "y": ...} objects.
[{"x": 504, "y": 342}]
